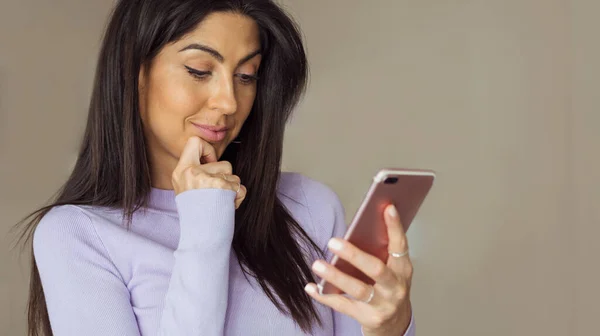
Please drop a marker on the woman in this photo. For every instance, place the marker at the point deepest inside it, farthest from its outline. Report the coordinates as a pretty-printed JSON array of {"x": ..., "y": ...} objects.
[{"x": 176, "y": 219}]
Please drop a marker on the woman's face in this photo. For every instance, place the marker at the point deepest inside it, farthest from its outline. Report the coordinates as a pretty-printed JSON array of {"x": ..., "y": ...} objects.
[{"x": 202, "y": 85}]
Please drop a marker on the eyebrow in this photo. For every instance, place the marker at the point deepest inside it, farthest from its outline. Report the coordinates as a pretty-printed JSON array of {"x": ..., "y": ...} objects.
[{"x": 217, "y": 55}]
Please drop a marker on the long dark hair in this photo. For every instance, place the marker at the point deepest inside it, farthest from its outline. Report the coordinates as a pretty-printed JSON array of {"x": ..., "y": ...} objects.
[{"x": 112, "y": 167}]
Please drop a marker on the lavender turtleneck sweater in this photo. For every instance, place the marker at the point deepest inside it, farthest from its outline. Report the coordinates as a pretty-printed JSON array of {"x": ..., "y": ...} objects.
[{"x": 173, "y": 272}]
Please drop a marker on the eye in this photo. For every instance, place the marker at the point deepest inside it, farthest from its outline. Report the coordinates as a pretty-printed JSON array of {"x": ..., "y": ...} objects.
[
  {"x": 247, "y": 79},
  {"x": 197, "y": 74}
]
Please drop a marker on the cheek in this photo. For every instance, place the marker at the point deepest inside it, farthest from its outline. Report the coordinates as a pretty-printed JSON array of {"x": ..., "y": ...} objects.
[
  {"x": 173, "y": 101},
  {"x": 169, "y": 105}
]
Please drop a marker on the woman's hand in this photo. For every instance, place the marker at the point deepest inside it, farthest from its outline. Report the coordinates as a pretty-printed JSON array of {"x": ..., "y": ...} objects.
[
  {"x": 198, "y": 169},
  {"x": 382, "y": 309}
]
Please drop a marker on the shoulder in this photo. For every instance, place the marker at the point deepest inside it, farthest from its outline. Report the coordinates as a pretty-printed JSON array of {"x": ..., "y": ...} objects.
[
  {"x": 61, "y": 222},
  {"x": 324, "y": 208},
  {"x": 66, "y": 229},
  {"x": 67, "y": 238},
  {"x": 307, "y": 191}
]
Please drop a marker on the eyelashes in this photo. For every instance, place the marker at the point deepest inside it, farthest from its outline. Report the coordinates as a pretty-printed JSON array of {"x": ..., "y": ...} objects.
[
  {"x": 244, "y": 79},
  {"x": 197, "y": 73},
  {"x": 247, "y": 79}
]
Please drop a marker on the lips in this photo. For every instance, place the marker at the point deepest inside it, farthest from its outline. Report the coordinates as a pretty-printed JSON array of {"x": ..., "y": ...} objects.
[{"x": 211, "y": 133}]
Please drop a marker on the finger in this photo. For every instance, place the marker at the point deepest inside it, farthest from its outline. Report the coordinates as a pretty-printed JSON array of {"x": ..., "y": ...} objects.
[
  {"x": 350, "y": 285},
  {"x": 197, "y": 151},
  {"x": 372, "y": 266},
  {"x": 241, "y": 196},
  {"x": 232, "y": 178},
  {"x": 336, "y": 302},
  {"x": 219, "y": 168},
  {"x": 398, "y": 242},
  {"x": 208, "y": 153},
  {"x": 218, "y": 182},
  {"x": 190, "y": 156}
]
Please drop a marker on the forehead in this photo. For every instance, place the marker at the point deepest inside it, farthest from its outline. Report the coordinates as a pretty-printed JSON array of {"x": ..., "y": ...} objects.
[{"x": 229, "y": 33}]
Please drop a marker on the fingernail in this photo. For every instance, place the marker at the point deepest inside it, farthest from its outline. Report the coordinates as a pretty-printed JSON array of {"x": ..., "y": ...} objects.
[
  {"x": 318, "y": 266},
  {"x": 310, "y": 289},
  {"x": 392, "y": 212},
  {"x": 335, "y": 244}
]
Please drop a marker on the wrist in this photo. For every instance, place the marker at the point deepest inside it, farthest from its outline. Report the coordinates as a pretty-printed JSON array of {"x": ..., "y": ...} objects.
[{"x": 398, "y": 327}]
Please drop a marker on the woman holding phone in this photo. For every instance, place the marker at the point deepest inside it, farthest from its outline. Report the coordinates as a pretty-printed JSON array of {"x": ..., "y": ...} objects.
[{"x": 176, "y": 219}]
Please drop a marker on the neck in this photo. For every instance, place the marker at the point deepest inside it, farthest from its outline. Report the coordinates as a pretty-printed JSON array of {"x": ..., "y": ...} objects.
[
  {"x": 161, "y": 170},
  {"x": 160, "y": 181}
]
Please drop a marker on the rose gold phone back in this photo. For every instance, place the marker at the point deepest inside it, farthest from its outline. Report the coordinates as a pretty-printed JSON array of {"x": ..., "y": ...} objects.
[{"x": 368, "y": 230}]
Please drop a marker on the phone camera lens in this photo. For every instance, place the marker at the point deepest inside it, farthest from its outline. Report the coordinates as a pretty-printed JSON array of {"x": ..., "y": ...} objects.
[{"x": 391, "y": 180}]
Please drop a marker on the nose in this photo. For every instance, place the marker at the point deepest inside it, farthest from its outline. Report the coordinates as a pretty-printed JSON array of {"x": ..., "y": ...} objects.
[{"x": 223, "y": 96}]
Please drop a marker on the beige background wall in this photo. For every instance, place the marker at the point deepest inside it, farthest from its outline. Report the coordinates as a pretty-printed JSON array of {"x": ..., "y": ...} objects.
[
  {"x": 585, "y": 157},
  {"x": 500, "y": 97},
  {"x": 48, "y": 51}
]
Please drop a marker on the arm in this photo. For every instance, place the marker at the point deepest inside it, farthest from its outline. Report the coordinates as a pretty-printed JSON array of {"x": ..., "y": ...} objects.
[
  {"x": 84, "y": 292},
  {"x": 196, "y": 302},
  {"x": 86, "y": 295}
]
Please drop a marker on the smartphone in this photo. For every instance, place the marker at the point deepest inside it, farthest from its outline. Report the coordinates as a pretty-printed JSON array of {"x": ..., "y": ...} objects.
[{"x": 406, "y": 189}]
